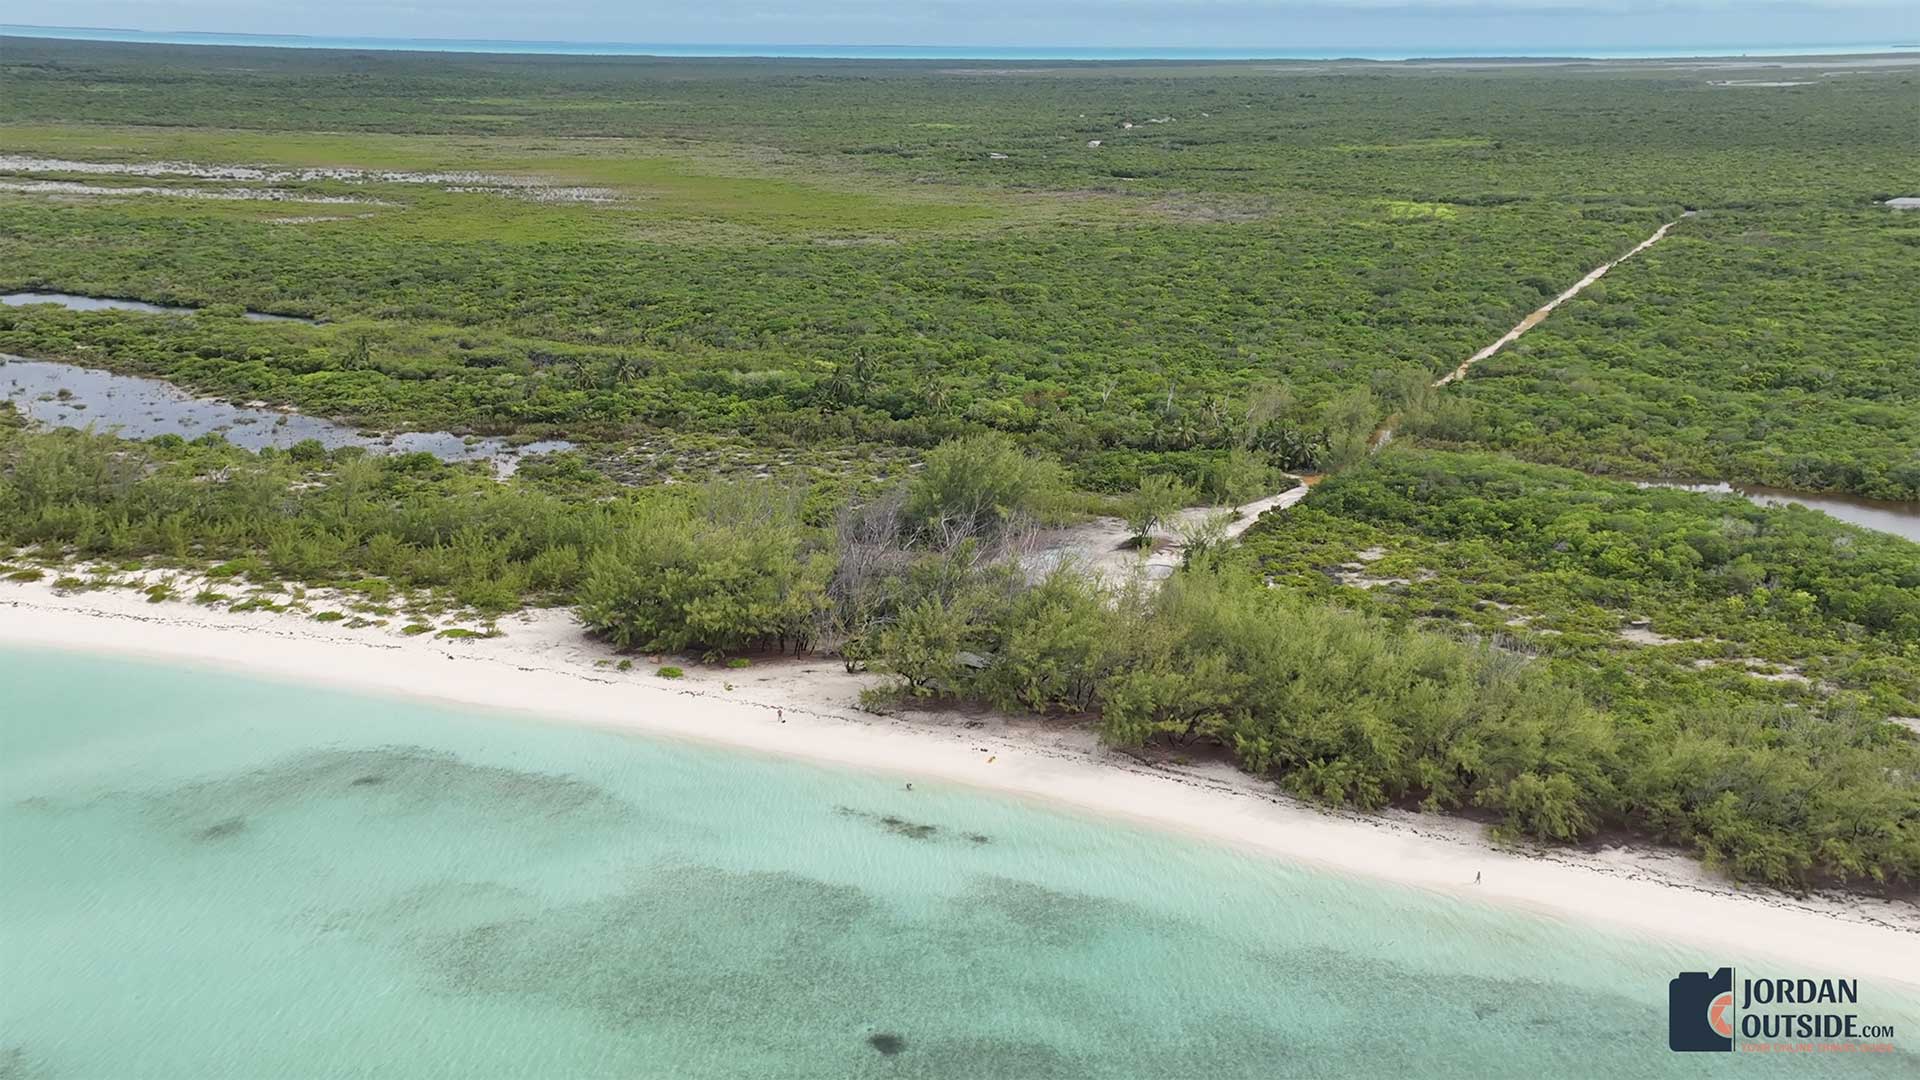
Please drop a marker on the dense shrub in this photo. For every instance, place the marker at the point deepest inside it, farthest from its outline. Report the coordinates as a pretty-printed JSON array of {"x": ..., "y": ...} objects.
[
  {"x": 981, "y": 484},
  {"x": 713, "y": 577},
  {"x": 1353, "y": 707}
]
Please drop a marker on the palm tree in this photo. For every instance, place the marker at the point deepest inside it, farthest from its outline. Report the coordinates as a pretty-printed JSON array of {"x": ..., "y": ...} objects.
[
  {"x": 933, "y": 392},
  {"x": 839, "y": 384},
  {"x": 863, "y": 371}
]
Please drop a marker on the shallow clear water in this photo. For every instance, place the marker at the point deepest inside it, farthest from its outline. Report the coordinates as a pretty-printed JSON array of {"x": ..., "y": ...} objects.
[
  {"x": 205, "y": 876},
  {"x": 67, "y": 395}
]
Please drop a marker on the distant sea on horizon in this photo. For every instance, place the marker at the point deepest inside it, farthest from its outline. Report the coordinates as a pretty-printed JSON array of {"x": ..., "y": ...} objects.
[{"x": 928, "y": 52}]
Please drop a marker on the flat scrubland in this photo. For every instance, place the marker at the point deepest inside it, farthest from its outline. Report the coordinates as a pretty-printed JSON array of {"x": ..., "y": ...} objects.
[{"x": 935, "y": 304}]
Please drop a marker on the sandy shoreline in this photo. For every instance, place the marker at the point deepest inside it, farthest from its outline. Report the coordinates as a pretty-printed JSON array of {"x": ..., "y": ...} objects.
[{"x": 543, "y": 665}]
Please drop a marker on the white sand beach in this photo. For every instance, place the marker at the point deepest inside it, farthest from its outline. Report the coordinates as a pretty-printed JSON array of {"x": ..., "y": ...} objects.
[{"x": 806, "y": 709}]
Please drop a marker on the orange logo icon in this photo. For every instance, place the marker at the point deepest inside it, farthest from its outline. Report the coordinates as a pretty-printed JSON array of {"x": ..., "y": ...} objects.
[{"x": 1718, "y": 1014}]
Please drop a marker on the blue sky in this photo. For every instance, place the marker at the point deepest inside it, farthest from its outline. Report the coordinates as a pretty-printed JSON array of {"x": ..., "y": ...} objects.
[{"x": 1281, "y": 24}]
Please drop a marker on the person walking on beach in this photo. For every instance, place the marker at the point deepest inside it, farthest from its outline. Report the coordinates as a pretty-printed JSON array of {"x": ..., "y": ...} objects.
[{"x": 1476, "y": 877}]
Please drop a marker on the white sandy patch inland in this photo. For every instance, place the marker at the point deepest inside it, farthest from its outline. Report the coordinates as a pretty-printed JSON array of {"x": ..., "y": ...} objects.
[
  {"x": 1100, "y": 546},
  {"x": 544, "y": 665},
  {"x": 259, "y": 174},
  {"x": 228, "y": 194},
  {"x": 530, "y": 188}
]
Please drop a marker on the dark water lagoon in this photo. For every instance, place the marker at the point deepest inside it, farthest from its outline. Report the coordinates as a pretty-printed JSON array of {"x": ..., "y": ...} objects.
[
  {"x": 1898, "y": 518},
  {"x": 66, "y": 395},
  {"x": 76, "y": 302}
]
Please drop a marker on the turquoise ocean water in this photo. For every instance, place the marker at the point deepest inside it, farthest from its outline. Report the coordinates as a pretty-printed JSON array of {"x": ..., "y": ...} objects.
[{"x": 208, "y": 876}]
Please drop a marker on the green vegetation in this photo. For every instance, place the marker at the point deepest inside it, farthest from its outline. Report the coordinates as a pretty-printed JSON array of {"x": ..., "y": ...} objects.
[
  {"x": 1337, "y": 706},
  {"x": 1772, "y": 643},
  {"x": 1566, "y": 565},
  {"x": 1147, "y": 506},
  {"x": 982, "y": 484},
  {"x": 373, "y": 526},
  {"x": 1768, "y": 346},
  {"x": 816, "y": 257},
  {"x": 1561, "y": 732},
  {"x": 932, "y": 318},
  {"x": 731, "y": 573}
]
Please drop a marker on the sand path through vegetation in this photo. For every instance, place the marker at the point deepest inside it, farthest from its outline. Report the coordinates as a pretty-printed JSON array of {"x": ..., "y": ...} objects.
[
  {"x": 1546, "y": 309},
  {"x": 1101, "y": 546},
  {"x": 1384, "y": 435}
]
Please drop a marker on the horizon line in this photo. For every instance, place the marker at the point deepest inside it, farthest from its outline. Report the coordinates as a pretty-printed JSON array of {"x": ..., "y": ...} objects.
[{"x": 738, "y": 50}]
